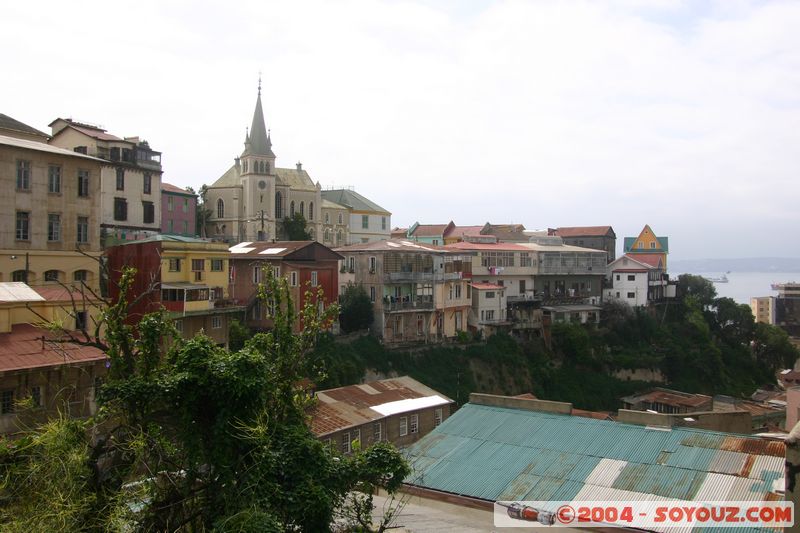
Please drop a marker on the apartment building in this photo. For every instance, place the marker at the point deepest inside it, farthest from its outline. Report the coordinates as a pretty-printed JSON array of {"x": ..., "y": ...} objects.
[
  {"x": 51, "y": 212},
  {"x": 178, "y": 211},
  {"x": 368, "y": 222},
  {"x": 308, "y": 266},
  {"x": 186, "y": 276},
  {"x": 130, "y": 180},
  {"x": 419, "y": 292}
]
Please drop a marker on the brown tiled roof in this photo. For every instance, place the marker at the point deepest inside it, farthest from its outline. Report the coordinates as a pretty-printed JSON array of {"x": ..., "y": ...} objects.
[
  {"x": 430, "y": 230},
  {"x": 168, "y": 187},
  {"x": 95, "y": 133},
  {"x": 583, "y": 231},
  {"x": 24, "y": 348},
  {"x": 337, "y": 409}
]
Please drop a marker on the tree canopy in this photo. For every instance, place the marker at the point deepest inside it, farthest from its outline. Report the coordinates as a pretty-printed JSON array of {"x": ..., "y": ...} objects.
[
  {"x": 194, "y": 437},
  {"x": 294, "y": 228},
  {"x": 356, "y": 309}
]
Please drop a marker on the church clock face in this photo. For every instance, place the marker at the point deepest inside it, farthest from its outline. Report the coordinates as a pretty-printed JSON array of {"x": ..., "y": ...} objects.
[{"x": 262, "y": 185}]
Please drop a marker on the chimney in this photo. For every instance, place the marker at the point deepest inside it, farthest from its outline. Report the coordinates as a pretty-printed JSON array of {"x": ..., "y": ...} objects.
[{"x": 299, "y": 165}]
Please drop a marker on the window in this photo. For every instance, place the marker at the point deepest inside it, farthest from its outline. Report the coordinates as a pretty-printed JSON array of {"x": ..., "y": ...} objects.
[
  {"x": 383, "y": 222},
  {"x": 357, "y": 435},
  {"x": 490, "y": 314},
  {"x": 23, "y": 226},
  {"x": 310, "y": 210},
  {"x": 120, "y": 179},
  {"x": 314, "y": 280},
  {"x": 346, "y": 442},
  {"x": 18, "y": 275},
  {"x": 291, "y": 209},
  {"x": 170, "y": 203},
  {"x": 414, "y": 423},
  {"x": 256, "y": 274},
  {"x": 631, "y": 277},
  {"x": 82, "y": 235},
  {"x": 120, "y": 209},
  {"x": 617, "y": 294},
  {"x": 326, "y": 235},
  {"x": 403, "y": 426},
  {"x": 80, "y": 320},
  {"x": 80, "y": 275},
  {"x": 216, "y": 322},
  {"x": 23, "y": 175},
  {"x": 327, "y": 218},
  {"x": 198, "y": 265},
  {"x": 631, "y": 295},
  {"x": 179, "y": 326},
  {"x": 437, "y": 416},
  {"x": 373, "y": 265},
  {"x": 216, "y": 265},
  {"x": 372, "y": 294},
  {"x": 185, "y": 205},
  {"x": 185, "y": 227},
  {"x": 53, "y": 227},
  {"x": 420, "y": 325},
  {"x": 174, "y": 264},
  {"x": 276, "y": 272},
  {"x": 489, "y": 294},
  {"x": 365, "y": 221},
  {"x": 302, "y": 209},
  {"x": 148, "y": 212},
  {"x": 83, "y": 183},
  {"x": 458, "y": 291},
  {"x": 278, "y": 205},
  {"x": 653, "y": 245},
  {"x": 147, "y": 183},
  {"x": 7, "y": 402},
  {"x": 351, "y": 264},
  {"x": 618, "y": 277},
  {"x": 51, "y": 275},
  {"x": 525, "y": 259},
  {"x": 293, "y": 279},
  {"x": 340, "y": 219},
  {"x": 36, "y": 396},
  {"x": 376, "y": 432},
  {"x": 54, "y": 179}
]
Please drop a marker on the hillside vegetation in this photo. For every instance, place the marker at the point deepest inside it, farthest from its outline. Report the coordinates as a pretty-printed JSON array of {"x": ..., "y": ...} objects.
[{"x": 700, "y": 343}]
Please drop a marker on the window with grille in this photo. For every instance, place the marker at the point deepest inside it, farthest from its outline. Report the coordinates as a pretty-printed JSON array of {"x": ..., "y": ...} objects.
[
  {"x": 53, "y": 227},
  {"x": 403, "y": 426},
  {"x": 346, "y": 442},
  {"x": 23, "y": 226},
  {"x": 437, "y": 416},
  {"x": 23, "y": 175},
  {"x": 83, "y": 183},
  {"x": 54, "y": 179},
  {"x": 414, "y": 423}
]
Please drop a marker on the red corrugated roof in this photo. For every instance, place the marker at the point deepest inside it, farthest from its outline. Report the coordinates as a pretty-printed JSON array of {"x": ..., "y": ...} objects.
[
  {"x": 654, "y": 260},
  {"x": 168, "y": 187},
  {"x": 583, "y": 231},
  {"x": 23, "y": 348}
]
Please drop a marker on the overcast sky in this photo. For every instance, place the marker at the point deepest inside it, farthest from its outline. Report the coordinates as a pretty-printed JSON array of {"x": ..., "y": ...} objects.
[{"x": 683, "y": 115}]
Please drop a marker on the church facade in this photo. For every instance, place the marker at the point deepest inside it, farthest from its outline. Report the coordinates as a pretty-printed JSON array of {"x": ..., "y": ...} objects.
[{"x": 251, "y": 199}]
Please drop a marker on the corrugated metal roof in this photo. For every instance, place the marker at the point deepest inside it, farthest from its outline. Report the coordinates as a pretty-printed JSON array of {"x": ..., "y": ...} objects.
[{"x": 496, "y": 453}]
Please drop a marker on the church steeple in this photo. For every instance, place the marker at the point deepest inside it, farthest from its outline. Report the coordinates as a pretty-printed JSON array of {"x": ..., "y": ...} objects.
[{"x": 258, "y": 142}]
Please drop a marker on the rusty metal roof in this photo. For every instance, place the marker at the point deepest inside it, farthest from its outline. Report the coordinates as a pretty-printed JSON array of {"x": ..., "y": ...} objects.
[
  {"x": 28, "y": 347},
  {"x": 354, "y": 405},
  {"x": 500, "y": 453}
]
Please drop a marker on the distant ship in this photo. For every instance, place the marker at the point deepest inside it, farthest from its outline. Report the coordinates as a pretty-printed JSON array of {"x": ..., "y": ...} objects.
[{"x": 722, "y": 279}]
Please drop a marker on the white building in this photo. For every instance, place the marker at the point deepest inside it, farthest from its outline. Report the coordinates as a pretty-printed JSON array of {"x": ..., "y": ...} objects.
[
  {"x": 368, "y": 221},
  {"x": 636, "y": 282}
]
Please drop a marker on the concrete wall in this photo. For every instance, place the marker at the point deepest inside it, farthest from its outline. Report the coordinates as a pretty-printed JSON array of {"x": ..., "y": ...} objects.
[
  {"x": 521, "y": 403},
  {"x": 729, "y": 421}
]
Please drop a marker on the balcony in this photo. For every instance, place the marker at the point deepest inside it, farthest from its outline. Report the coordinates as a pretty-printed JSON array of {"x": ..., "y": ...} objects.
[
  {"x": 392, "y": 305},
  {"x": 414, "y": 277}
]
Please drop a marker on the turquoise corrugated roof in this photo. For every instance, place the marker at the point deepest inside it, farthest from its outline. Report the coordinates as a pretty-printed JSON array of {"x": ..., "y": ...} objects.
[{"x": 496, "y": 453}]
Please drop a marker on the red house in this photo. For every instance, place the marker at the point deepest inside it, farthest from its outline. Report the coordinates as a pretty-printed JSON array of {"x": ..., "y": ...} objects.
[{"x": 307, "y": 265}]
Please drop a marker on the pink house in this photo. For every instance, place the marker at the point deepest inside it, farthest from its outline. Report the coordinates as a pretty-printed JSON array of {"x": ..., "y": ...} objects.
[{"x": 178, "y": 210}]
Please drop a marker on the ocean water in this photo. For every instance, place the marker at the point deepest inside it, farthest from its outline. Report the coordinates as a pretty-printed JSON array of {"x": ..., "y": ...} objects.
[{"x": 742, "y": 286}]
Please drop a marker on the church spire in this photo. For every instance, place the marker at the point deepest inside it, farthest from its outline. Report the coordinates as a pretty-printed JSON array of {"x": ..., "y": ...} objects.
[{"x": 259, "y": 141}]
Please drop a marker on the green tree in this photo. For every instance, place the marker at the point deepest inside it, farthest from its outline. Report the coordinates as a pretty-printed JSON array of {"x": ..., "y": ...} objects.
[
  {"x": 356, "y": 309},
  {"x": 238, "y": 335},
  {"x": 193, "y": 438},
  {"x": 772, "y": 347},
  {"x": 294, "y": 228}
]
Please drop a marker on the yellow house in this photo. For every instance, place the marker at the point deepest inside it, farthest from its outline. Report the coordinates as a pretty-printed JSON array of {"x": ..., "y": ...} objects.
[{"x": 648, "y": 247}]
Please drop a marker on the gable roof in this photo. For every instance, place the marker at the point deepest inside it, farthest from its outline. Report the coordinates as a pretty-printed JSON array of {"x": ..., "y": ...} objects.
[
  {"x": 353, "y": 200},
  {"x": 328, "y": 204},
  {"x": 298, "y": 180},
  {"x": 628, "y": 262},
  {"x": 502, "y": 453},
  {"x": 584, "y": 231},
  {"x": 355, "y": 405},
  {"x": 653, "y": 260},
  {"x": 430, "y": 230},
  {"x": 87, "y": 129},
  {"x": 11, "y": 124}
]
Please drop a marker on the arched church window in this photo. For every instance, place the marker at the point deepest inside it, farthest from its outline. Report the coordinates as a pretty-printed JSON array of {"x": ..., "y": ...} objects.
[
  {"x": 220, "y": 208},
  {"x": 278, "y": 205},
  {"x": 312, "y": 234},
  {"x": 244, "y": 166},
  {"x": 310, "y": 210},
  {"x": 291, "y": 209},
  {"x": 266, "y": 167},
  {"x": 302, "y": 209}
]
